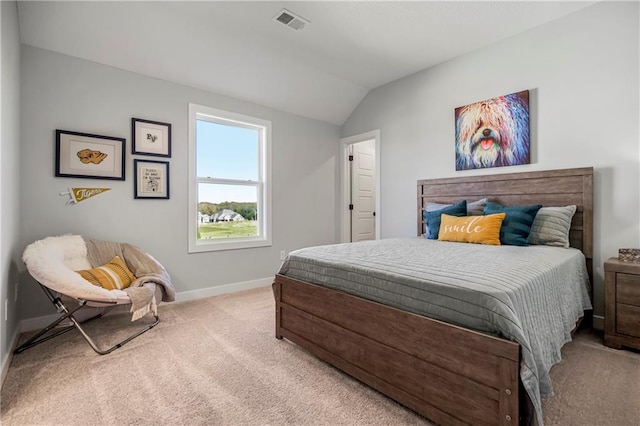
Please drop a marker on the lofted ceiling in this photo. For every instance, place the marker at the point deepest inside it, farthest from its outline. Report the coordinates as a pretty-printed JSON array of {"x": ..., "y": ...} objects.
[{"x": 235, "y": 48}]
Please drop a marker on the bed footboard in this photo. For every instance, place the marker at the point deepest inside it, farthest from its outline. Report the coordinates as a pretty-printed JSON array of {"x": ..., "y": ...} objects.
[{"x": 451, "y": 375}]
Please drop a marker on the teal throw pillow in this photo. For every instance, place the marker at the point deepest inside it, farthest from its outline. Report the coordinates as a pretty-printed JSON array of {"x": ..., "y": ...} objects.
[
  {"x": 516, "y": 226},
  {"x": 433, "y": 219}
]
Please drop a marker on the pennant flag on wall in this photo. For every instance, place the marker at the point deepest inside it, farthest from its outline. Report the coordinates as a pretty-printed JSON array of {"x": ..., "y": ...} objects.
[{"x": 80, "y": 194}]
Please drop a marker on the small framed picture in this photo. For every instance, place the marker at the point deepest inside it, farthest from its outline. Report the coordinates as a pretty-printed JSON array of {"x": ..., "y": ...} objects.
[
  {"x": 83, "y": 155},
  {"x": 151, "y": 179},
  {"x": 150, "y": 138}
]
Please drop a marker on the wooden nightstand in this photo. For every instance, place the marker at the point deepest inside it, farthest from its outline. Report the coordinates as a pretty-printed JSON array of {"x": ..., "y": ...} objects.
[{"x": 622, "y": 304}]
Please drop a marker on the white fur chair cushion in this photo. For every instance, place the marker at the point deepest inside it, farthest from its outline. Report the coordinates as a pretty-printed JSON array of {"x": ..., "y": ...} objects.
[{"x": 53, "y": 261}]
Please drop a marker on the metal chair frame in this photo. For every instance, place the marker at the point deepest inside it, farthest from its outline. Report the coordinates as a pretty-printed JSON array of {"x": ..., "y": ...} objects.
[{"x": 42, "y": 336}]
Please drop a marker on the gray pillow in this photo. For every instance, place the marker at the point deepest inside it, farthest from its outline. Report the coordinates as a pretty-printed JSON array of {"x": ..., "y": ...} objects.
[
  {"x": 476, "y": 208},
  {"x": 551, "y": 226},
  {"x": 473, "y": 209}
]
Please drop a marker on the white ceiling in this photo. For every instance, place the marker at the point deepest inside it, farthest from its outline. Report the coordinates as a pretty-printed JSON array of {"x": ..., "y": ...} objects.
[{"x": 236, "y": 49}]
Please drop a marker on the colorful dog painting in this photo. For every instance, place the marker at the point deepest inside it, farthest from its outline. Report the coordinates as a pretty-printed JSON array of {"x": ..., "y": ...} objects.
[{"x": 493, "y": 133}]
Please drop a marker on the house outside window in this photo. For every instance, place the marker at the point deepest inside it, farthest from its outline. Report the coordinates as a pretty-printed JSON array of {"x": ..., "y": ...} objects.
[{"x": 229, "y": 180}]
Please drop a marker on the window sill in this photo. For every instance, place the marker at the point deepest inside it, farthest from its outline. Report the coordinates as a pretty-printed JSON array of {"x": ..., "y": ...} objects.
[{"x": 220, "y": 245}]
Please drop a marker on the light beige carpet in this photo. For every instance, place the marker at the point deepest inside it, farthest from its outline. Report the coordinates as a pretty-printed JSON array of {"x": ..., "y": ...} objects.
[{"x": 215, "y": 361}]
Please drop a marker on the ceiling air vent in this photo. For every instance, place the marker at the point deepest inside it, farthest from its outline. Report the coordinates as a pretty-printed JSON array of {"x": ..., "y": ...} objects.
[{"x": 291, "y": 20}]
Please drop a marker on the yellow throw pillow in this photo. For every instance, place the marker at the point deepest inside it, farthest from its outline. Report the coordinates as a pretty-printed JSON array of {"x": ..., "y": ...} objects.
[
  {"x": 472, "y": 229},
  {"x": 113, "y": 276}
]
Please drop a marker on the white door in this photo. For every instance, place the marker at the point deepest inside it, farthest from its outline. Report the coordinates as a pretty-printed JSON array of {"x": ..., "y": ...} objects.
[{"x": 363, "y": 191}]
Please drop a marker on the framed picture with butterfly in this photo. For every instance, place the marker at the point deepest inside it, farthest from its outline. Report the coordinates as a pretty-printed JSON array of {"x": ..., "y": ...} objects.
[
  {"x": 150, "y": 138},
  {"x": 85, "y": 155}
]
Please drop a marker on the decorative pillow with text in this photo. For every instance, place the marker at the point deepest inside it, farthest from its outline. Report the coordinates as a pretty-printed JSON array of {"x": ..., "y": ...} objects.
[{"x": 472, "y": 229}]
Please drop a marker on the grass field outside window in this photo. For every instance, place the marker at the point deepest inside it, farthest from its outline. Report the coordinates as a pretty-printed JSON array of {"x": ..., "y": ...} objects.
[{"x": 242, "y": 229}]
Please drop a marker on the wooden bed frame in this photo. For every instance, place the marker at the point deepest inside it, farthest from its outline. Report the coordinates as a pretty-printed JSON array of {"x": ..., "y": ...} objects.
[{"x": 449, "y": 374}]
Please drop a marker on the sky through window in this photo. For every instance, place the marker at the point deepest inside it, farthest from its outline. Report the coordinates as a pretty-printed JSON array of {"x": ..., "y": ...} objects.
[{"x": 226, "y": 152}]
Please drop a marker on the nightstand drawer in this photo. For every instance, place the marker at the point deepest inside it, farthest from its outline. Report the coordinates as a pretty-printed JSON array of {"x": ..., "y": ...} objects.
[
  {"x": 628, "y": 320},
  {"x": 628, "y": 289}
]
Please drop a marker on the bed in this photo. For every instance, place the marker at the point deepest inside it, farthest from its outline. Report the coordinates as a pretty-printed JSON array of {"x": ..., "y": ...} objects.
[{"x": 449, "y": 373}]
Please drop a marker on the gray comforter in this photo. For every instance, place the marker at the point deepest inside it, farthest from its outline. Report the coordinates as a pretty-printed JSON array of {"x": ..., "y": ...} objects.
[{"x": 532, "y": 295}]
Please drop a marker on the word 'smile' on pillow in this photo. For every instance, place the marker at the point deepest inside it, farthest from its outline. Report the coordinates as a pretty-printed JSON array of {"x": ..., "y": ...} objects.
[{"x": 472, "y": 229}]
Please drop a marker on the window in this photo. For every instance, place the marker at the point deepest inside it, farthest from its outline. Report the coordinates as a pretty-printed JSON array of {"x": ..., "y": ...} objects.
[{"x": 229, "y": 185}]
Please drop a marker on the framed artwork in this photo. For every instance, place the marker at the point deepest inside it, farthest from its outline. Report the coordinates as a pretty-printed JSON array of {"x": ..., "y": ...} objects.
[
  {"x": 493, "y": 133},
  {"x": 150, "y": 138},
  {"x": 151, "y": 179},
  {"x": 84, "y": 155}
]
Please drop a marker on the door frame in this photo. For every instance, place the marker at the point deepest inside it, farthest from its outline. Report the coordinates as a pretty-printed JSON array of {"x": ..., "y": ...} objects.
[{"x": 345, "y": 217}]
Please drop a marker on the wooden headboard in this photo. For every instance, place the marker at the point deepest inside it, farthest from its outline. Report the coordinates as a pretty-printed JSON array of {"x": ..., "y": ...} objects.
[{"x": 550, "y": 188}]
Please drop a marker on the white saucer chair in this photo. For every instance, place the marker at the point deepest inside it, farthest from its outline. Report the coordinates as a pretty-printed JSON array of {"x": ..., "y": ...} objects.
[{"x": 53, "y": 263}]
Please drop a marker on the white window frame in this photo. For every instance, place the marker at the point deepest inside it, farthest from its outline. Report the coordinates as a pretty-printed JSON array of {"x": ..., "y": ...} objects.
[{"x": 263, "y": 184}]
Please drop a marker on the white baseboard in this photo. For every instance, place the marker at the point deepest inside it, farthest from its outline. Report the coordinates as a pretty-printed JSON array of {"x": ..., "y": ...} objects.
[
  {"x": 39, "y": 323},
  {"x": 223, "y": 289},
  {"x": 8, "y": 357},
  {"x": 598, "y": 322}
]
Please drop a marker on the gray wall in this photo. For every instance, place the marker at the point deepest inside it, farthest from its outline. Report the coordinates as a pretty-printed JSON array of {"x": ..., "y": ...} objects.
[
  {"x": 10, "y": 249},
  {"x": 61, "y": 92},
  {"x": 582, "y": 71}
]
